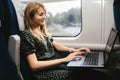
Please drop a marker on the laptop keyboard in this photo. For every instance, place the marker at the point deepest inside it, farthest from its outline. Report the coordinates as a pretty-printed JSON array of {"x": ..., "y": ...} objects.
[{"x": 91, "y": 59}]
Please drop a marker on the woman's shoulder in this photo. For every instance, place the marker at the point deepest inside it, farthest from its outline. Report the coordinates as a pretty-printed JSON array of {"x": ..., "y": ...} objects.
[{"x": 25, "y": 33}]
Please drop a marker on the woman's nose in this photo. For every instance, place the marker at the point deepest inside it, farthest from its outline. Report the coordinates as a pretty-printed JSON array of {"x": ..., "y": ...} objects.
[{"x": 44, "y": 16}]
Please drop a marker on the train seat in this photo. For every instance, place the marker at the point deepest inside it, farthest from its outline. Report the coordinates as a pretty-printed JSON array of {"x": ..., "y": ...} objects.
[{"x": 14, "y": 50}]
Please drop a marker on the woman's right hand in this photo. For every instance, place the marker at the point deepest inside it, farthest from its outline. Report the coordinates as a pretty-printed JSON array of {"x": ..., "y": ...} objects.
[{"x": 73, "y": 56}]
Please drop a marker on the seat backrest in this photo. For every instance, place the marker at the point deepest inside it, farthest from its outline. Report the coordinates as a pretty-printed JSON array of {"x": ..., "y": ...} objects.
[{"x": 14, "y": 50}]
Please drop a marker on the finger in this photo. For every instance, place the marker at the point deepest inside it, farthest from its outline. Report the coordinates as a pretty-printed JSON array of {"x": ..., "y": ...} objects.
[
  {"x": 80, "y": 53},
  {"x": 85, "y": 49}
]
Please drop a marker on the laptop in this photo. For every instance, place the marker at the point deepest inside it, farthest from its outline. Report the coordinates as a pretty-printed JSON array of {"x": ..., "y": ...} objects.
[{"x": 97, "y": 58}]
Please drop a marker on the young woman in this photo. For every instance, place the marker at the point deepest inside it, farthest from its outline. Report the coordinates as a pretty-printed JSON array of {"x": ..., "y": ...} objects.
[{"x": 37, "y": 47}]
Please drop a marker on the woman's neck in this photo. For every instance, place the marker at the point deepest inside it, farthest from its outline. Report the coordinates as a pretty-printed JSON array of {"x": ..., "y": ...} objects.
[
  {"x": 37, "y": 33},
  {"x": 36, "y": 29}
]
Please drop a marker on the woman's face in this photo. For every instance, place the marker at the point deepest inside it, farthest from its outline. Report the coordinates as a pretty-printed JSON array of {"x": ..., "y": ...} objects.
[{"x": 39, "y": 17}]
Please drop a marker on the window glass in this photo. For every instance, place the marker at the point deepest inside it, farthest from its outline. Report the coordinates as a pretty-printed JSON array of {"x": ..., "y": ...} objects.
[{"x": 63, "y": 18}]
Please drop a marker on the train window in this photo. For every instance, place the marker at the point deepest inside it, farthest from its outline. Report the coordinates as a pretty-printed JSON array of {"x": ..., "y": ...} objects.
[{"x": 63, "y": 18}]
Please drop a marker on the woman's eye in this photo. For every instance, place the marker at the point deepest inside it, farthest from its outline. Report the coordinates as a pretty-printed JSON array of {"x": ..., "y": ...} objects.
[{"x": 40, "y": 14}]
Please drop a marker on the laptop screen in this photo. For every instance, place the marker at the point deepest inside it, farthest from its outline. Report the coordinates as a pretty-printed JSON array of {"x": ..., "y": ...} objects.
[{"x": 110, "y": 44}]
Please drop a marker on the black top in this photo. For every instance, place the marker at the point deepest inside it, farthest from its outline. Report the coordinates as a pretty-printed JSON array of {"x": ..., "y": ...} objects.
[{"x": 44, "y": 51}]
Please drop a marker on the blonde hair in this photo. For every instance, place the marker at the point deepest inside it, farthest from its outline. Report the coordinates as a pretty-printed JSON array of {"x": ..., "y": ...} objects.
[{"x": 29, "y": 13}]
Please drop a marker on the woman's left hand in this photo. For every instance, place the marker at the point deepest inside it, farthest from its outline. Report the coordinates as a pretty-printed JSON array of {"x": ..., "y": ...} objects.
[{"x": 83, "y": 50}]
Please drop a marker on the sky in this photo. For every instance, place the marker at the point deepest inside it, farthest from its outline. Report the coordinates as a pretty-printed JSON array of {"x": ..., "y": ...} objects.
[{"x": 62, "y": 6}]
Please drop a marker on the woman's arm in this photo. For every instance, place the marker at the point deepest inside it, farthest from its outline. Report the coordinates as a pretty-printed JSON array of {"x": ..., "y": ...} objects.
[
  {"x": 60, "y": 47},
  {"x": 35, "y": 64},
  {"x": 41, "y": 65}
]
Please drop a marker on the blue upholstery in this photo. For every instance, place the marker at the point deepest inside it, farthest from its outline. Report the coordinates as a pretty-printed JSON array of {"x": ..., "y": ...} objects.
[
  {"x": 116, "y": 9},
  {"x": 8, "y": 26}
]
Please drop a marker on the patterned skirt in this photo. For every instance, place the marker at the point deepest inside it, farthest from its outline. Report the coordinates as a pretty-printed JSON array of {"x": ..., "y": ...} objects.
[
  {"x": 53, "y": 75},
  {"x": 57, "y": 73}
]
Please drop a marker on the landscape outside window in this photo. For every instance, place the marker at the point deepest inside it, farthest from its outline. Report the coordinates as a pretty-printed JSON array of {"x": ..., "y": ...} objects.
[{"x": 64, "y": 18}]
